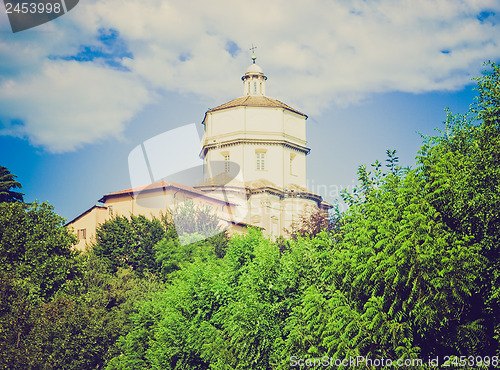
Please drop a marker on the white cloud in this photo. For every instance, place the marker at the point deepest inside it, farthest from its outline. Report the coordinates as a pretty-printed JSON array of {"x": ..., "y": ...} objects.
[
  {"x": 70, "y": 104},
  {"x": 315, "y": 53}
]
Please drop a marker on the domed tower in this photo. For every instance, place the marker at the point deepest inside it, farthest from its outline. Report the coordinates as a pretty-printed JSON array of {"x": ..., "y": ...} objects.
[
  {"x": 254, "y": 150},
  {"x": 254, "y": 81}
]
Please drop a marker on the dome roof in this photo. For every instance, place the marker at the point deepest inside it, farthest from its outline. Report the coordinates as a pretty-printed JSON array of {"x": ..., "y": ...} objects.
[{"x": 254, "y": 68}]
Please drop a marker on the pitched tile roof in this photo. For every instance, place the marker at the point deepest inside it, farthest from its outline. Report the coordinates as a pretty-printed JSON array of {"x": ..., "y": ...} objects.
[
  {"x": 255, "y": 101},
  {"x": 160, "y": 185}
]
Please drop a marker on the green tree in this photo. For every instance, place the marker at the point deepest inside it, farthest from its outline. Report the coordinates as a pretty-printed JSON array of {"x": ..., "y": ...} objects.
[
  {"x": 194, "y": 232},
  {"x": 144, "y": 244},
  {"x": 194, "y": 222},
  {"x": 7, "y": 183},
  {"x": 487, "y": 104},
  {"x": 109, "y": 299},
  {"x": 59, "y": 309},
  {"x": 76, "y": 331},
  {"x": 225, "y": 313},
  {"x": 16, "y": 309},
  {"x": 462, "y": 172},
  {"x": 35, "y": 248},
  {"x": 129, "y": 242},
  {"x": 415, "y": 273},
  {"x": 311, "y": 222},
  {"x": 401, "y": 281},
  {"x": 36, "y": 264}
]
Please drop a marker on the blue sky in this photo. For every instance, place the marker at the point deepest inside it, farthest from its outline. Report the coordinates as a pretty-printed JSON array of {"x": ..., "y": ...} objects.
[{"x": 79, "y": 93}]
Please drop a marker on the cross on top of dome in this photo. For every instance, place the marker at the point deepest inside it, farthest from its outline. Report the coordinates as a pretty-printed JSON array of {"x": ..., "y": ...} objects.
[
  {"x": 253, "y": 53},
  {"x": 254, "y": 79}
]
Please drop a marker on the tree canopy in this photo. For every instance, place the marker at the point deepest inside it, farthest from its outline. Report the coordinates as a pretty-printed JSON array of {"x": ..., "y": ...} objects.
[{"x": 7, "y": 183}]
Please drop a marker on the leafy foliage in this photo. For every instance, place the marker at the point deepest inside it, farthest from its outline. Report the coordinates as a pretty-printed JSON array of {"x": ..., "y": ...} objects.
[
  {"x": 415, "y": 273},
  {"x": 171, "y": 254},
  {"x": 399, "y": 282},
  {"x": 227, "y": 313},
  {"x": 311, "y": 222},
  {"x": 8, "y": 182},
  {"x": 129, "y": 242},
  {"x": 463, "y": 175},
  {"x": 58, "y": 309},
  {"x": 76, "y": 331},
  {"x": 35, "y": 248},
  {"x": 195, "y": 222}
]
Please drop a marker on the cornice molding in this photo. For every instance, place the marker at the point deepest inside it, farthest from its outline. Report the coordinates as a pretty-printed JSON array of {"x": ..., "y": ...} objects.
[{"x": 229, "y": 143}]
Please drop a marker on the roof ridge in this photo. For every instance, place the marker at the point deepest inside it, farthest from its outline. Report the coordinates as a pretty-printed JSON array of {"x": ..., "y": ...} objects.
[{"x": 161, "y": 184}]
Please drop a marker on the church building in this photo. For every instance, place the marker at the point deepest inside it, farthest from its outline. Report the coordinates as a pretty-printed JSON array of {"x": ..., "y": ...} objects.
[{"x": 254, "y": 150}]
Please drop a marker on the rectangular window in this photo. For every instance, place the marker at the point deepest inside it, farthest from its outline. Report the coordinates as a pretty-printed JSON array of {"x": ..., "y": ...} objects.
[
  {"x": 82, "y": 234},
  {"x": 292, "y": 157},
  {"x": 226, "y": 163},
  {"x": 261, "y": 161}
]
